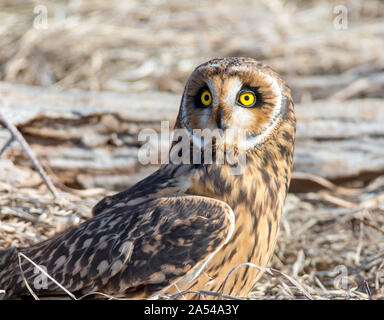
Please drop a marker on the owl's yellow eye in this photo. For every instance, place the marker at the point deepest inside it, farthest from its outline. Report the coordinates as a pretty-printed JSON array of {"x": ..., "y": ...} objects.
[
  {"x": 247, "y": 98},
  {"x": 206, "y": 98}
]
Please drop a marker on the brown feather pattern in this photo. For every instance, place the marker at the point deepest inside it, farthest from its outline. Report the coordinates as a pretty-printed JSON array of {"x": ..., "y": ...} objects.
[{"x": 186, "y": 224}]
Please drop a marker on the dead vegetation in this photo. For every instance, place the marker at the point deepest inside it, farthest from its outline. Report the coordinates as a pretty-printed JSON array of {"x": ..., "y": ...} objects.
[
  {"x": 131, "y": 46},
  {"x": 330, "y": 244},
  {"x": 331, "y": 241}
]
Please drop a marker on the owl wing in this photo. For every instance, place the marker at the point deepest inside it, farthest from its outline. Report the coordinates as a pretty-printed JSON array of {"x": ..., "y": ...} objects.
[
  {"x": 147, "y": 247},
  {"x": 169, "y": 179}
]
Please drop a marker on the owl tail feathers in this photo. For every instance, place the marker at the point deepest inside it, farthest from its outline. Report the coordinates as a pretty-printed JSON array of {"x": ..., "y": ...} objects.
[{"x": 9, "y": 272}]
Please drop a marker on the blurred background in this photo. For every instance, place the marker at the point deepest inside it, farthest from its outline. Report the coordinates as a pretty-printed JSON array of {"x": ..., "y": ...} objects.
[
  {"x": 80, "y": 79},
  {"x": 153, "y": 45}
]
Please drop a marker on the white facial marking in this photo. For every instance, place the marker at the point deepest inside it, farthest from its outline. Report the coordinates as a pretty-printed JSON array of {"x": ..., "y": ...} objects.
[
  {"x": 273, "y": 121},
  {"x": 240, "y": 116},
  {"x": 234, "y": 87},
  {"x": 256, "y": 140}
]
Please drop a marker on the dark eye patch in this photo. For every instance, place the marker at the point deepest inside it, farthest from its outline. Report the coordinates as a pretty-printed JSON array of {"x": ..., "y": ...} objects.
[
  {"x": 197, "y": 97},
  {"x": 259, "y": 97}
]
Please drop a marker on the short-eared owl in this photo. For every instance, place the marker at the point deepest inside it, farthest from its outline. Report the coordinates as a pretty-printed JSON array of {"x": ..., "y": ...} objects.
[{"x": 184, "y": 227}]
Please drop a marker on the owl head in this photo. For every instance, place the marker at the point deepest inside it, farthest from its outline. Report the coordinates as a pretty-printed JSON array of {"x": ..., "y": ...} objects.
[{"x": 237, "y": 95}]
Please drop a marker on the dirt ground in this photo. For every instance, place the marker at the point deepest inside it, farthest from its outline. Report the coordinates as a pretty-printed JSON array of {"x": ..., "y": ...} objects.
[{"x": 331, "y": 241}]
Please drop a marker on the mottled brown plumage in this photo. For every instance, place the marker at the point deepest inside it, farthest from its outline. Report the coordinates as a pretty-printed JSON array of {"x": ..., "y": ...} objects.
[{"x": 185, "y": 226}]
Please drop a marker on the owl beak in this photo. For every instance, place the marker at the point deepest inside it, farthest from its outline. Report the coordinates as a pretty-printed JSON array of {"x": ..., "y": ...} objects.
[{"x": 219, "y": 119}]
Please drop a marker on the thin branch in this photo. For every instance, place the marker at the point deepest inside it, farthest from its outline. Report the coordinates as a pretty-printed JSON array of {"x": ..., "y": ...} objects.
[
  {"x": 97, "y": 293},
  {"x": 325, "y": 183},
  {"x": 374, "y": 201},
  {"x": 367, "y": 290},
  {"x": 19, "y": 137},
  {"x": 25, "y": 279},
  {"x": 293, "y": 281},
  {"x": 201, "y": 292},
  {"x": 7, "y": 144},
  {"x": 20, "y": 213},
  {"x": 249, "y": 264},
  {"x": 220, "y": 295},
  {"x": 370, "y": 224},
  {"x": 337, "y": 201},
  {"x": 20, "y": 254}
]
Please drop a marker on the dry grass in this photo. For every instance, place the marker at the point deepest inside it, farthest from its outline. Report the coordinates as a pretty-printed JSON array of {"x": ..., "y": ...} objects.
[
  {"x": 153, "y": 45},
  {"x": 321, "y": 240},
  {"x": 325, "y": 237}
]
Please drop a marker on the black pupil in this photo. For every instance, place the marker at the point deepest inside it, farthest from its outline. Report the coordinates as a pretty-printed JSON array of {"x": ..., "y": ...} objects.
[
  {"x": 206, "y": 97},
  {"x": 246, "y": 98}
]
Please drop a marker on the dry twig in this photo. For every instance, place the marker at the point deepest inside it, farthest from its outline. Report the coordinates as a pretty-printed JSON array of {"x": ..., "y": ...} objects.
[{"x": 24, "y": 144}]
